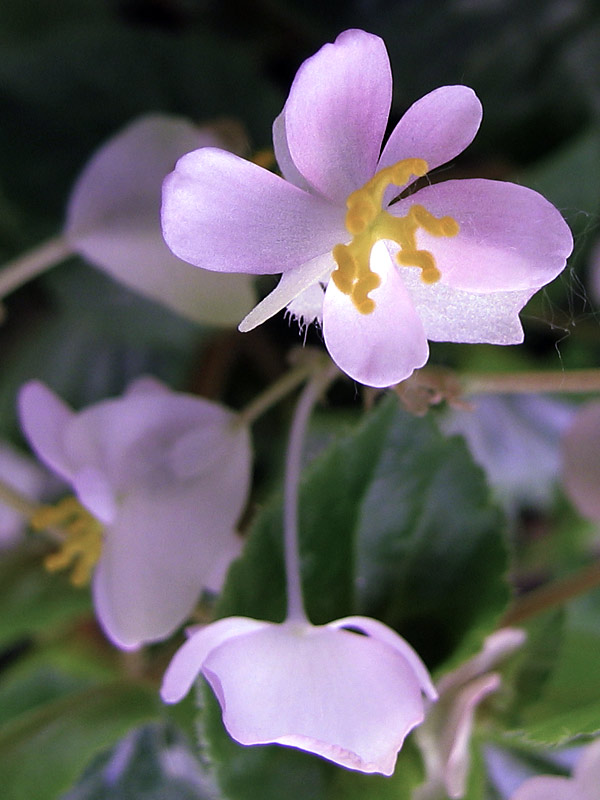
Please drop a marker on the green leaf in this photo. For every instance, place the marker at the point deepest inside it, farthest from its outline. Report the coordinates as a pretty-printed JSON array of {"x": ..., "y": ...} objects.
[
  {"x": 570, "y": 705},
  {"x": 395, "y": 522},
  {"x": 44, "y": 750},
  {"x": 33, "y": 600}
]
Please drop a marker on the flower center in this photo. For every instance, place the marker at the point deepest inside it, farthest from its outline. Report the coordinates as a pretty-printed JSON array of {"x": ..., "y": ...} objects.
[
  {"x": 82, "y": 545},
  {"x": 368, "y": 222}
]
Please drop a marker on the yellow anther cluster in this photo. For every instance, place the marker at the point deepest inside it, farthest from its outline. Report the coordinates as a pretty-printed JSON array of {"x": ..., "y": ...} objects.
[
  {"x": 82, "y": 545},
  {"x": 369, "y": 223}
]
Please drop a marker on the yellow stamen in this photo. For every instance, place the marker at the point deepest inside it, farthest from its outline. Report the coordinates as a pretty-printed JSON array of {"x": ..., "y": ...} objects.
[
  {"x": 82, "y": 545},
  {"x": 369, "y": 223}
]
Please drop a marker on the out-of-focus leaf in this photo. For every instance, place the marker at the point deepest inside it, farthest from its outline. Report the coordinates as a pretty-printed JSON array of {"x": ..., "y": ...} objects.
[
  {"x": 570, "y": 705},
  {"x": 42, "y": 751},
  {"x": 376, "y": 538},
  {"x": 32, "y": 600}
]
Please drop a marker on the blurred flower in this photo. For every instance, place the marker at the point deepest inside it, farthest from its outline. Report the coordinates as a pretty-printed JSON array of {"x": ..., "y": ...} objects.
[
  {"x": 516, "y": 439},
  {"x": 445, "y": 736},
  {"x": 583, "y": 785},
  {"x": 113, "y": 220},
  {"x": 348, "y": 697},
  {"x": 581, "y": 461},
  {"x": 160, "y": 479},
  {"x": 471, "y": 252},
  {"x": 25, "y": 476}
]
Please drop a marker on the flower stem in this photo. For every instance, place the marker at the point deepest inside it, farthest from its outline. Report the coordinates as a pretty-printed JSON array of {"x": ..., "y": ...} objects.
[
  {"x": 278, "y": 390},
  {"x": 27, "y": 266},
  {"x": 293, "y": 470},
  {"x": 572, "y": 381},
  {"x": 553, "y": 595}
]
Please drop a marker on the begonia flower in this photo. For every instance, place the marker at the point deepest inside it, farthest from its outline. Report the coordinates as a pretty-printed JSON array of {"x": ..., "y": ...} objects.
[
  {"x": 581, "y": 461},
  {"x": 347, "y": 697},
  {"x": 445, "y": 736},
  {"x": 583, "y": 785},
  {"x": 383, "y": 271},
  {"x": 160, "y": 479}
]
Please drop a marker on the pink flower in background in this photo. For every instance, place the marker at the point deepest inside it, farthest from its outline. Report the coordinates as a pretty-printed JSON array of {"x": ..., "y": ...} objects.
[
  {"x": 454, "y": 261},
  {"x": 113, "y": 220},
  {"x": 347, "y": 697},
  {"x": 445, "y": 736},
  {"x": 581, "y": 461},
  {"x": 161, "y": 478},
  {"x": 583, "y": 785}
]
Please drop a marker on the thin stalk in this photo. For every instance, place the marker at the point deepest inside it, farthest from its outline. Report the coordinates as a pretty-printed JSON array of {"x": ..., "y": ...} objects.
[
  {"x": 293, "y": 470},
  {"x": 279, "y": 389},
  {"x": 571, "y": 381},
  {"x": 22, "y": 269},
  {"x": 552, "y": 595}
]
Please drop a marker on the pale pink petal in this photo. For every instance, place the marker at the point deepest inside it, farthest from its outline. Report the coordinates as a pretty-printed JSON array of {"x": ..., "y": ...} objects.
[
  {"x": 158, "y": 555},
  {"x": 510, "y": 237},
  {"x": 498, "y": 646},
  {"x": 282, "y": 155},
  {"x": 587, "y": 772},
  {"x": 346, "y": 697},
  {"x": 581, "y": 461},
  {"x": 45, "y": 420},
  {"x": 337, "y": 112},
  {"x": 188, "y": 660},
  {"x": 290, "y": 286},
  {"x": 451, "y": 315},
  {"x": 460, "y": 726},
  {"x": 113, "y": 220},
  {"x": 383, "y": 633},
  {"x": 385, "y": 346},
  {"x": 94, "y": 492},
  {"x": 436, "y": 128},
  {"x": 226, "y": 214},
  {"x": 546, "y": 787}
]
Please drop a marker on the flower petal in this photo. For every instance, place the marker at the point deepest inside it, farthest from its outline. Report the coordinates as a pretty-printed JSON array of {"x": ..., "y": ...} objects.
[
  {"x": 282, "y": 155},
  {"x": 460, "y": 726},
  {"x": 94, "y": 491},
  {"x": 337, "y": 112},
  {"x": 436, "y": 128},
  {"x": 581, "y": 461},
  {"x": 546, "y": 787},
  {"x": 385, "y": 346},
  {"x": 45, "y": 420},
  {"x": 346, "y": 697},
  {"x": 290, "y": 286},
  {"x": 451, "y": 315},
  {"x": 587, "y": 771},
  {"x": 510, "y": 237},
  {"x": 383, "y": 633},
  {"x": 113, "y": 220},
  {"x": 226, "y": 214},
  {"x": 188, "y": 660}
]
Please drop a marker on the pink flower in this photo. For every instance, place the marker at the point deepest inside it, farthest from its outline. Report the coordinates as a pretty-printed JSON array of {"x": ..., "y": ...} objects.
[
  {"x": 455, "y": 261},
  {"x": 160, "y": 478},
  {"x": 581, "y": 461},
  {"x": 583, "y": 785},
  {"x": 348, "y": 697}
]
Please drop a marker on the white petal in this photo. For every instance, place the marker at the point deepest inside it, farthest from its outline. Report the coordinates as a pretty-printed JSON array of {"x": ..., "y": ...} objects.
[
  {"x": 290, "y": 286},
  {"x": 453, "y": 315}
]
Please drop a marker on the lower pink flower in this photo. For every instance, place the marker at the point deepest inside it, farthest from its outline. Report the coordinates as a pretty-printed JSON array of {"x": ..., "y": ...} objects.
[{"x": 348, "y": 697}]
